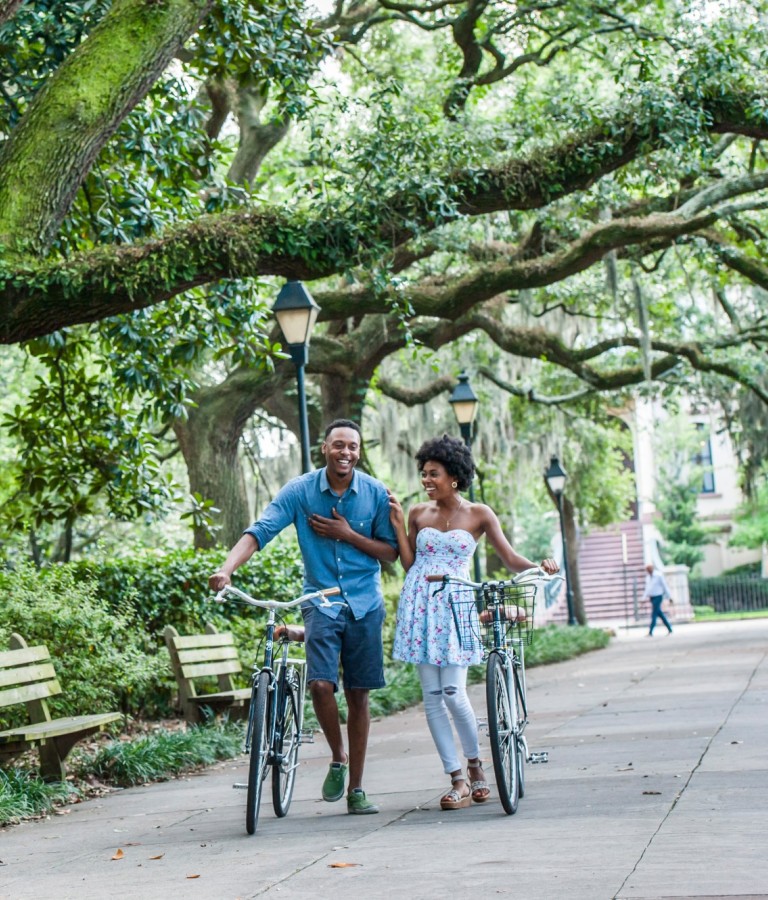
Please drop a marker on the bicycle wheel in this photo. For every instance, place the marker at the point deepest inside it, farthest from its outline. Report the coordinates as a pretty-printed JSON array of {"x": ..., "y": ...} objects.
[
  {"x": 259, "y": 750},
  {"x": 502, "y": 719},
  {"x": 287, "y": 739},
  {"x": 521, "y": 748}
]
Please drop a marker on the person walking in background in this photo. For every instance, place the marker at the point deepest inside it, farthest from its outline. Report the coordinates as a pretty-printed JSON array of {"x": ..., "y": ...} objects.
[
  {"x": 441, "y": 538},
  {"x": 656, "y": 590},
  {"x": 343, "y": 524}
]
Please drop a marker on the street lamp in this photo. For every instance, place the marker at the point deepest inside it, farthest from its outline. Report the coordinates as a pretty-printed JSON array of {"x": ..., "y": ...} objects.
[
  {"x": 464, "y": 402},
  {"x": 555, "y": 476},
  {"x": 296, "y": 313}
]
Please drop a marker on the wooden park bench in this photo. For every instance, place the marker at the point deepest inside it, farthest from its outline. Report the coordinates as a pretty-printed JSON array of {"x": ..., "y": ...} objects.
[
  {"x": 206, "y": 656},
  {"x": 27, "y": 676}
]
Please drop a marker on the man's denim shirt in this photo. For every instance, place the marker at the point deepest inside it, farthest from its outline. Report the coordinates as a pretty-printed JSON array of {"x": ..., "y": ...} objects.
[{"x": 328, "y": 562}]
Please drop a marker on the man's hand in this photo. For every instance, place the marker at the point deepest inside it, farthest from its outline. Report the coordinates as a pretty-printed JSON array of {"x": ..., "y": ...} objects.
[
  {"x": 336, "y": 529},
  {"x": 218, "y": 580}
]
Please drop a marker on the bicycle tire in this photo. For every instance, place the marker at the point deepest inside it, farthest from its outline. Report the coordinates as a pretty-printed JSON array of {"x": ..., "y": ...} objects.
[
  {"x": 502, "y": 732},
  {"x": 259, "y": 750},
  {"x": 287, "y": 740},
  {"x": 521, "y": 749}
]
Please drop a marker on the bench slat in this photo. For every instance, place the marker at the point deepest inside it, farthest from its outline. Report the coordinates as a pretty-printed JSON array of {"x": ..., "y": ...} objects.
[
  {"x": 26, "y": 674},
  {"x": 236, "y": 696},
  {"x": 200, "y": 670},
  {"x": 209, "y": 655},
  {"x": 58, "y": 727},
  {"x": 38, "y": 653},
  {"x": 220, "y": 639},
  {"x": 26, "y": 692}
]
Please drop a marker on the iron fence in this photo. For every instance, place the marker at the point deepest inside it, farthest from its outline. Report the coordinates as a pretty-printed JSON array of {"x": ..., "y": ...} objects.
[{"x": 730, "y": 594}]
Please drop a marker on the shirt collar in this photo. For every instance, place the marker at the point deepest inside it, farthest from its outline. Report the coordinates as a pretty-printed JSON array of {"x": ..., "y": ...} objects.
[{"x": 325, "y": 484}]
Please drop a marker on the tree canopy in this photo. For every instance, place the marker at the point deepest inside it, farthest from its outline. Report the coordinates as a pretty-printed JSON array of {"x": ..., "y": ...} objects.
[{"x": 584, "y": 185}]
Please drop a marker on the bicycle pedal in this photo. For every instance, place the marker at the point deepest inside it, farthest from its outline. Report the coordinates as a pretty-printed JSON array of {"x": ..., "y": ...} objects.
[
  {"x": 240, "y": 787},
  {"x": 538, "y": 758}
]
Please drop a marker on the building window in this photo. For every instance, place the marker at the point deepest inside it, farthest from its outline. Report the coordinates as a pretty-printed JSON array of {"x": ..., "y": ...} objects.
[{"x": 703, "y": 458}]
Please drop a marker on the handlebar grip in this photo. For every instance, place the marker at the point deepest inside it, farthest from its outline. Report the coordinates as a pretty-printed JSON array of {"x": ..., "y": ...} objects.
[
  {"x": 329, "y": 592},
  {"x": 435, "y": 577}
]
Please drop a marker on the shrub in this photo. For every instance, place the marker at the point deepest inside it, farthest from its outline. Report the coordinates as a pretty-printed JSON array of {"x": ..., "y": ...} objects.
[
  {"x": 103, "y": 658},
  {"x": 172, "y": 588}
]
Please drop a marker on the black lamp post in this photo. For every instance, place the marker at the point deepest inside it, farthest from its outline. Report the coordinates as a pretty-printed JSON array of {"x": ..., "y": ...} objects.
[
  {"x": 296, "y": 313},
  {"x": 555, "y": 476},
  {"x": 465, "y": 403}
]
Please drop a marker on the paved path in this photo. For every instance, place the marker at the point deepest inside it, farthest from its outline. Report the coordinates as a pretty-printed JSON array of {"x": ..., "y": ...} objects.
[{"x": 656, "y": 788}]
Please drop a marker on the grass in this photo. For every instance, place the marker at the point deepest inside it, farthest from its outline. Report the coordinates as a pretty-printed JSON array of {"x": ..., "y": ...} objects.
[
  {"x": 163, "y": 753},
  {"x": 24, "y": 795},
  {"x": 709, "y": 614}
]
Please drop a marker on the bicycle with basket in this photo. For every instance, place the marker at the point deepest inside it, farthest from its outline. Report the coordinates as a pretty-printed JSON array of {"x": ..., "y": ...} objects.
[
  {"x": 497, "y": 618},
  {"x": 276, "y": 715}
]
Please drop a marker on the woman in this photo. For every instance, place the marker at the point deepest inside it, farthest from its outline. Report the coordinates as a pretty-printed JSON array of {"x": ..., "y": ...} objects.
[{"x": 440, "y": 540}]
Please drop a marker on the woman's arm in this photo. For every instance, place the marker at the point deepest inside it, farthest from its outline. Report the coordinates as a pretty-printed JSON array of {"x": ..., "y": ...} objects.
[{"x": 507, "y": 554}]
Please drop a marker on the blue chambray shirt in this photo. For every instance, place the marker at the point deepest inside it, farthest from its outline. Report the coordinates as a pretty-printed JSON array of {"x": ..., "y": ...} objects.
[{"x": 328, "y": 562}]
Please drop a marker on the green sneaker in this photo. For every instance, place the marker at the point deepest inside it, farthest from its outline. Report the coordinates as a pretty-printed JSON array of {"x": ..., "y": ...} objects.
[
  {"x": 359, "y": 805},
  {"x": 333, "y": 786}
]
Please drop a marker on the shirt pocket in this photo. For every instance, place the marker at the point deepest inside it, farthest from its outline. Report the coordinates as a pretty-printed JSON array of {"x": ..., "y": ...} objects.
[{"x": 362, "y": 526}]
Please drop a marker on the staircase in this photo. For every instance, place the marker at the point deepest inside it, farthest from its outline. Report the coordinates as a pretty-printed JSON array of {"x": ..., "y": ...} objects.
[{"x": 602, "y": 574}]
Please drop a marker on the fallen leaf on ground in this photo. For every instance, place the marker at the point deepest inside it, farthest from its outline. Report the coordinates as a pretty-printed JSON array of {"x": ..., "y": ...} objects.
[
  {"x": 118, "y": 854},
  {"x": 651, "y": 792},
  {"x": 341, "y": 865},
  {"x": 193, "y": 876},
  {"x": 159, "y": 856}
]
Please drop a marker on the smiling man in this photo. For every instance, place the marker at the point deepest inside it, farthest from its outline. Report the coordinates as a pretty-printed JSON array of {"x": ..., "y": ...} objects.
[{"x": 342, "y": 520}]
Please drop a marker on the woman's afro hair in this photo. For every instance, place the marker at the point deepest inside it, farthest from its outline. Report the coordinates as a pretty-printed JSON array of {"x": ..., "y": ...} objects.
[{"x": 454, "y": 455}]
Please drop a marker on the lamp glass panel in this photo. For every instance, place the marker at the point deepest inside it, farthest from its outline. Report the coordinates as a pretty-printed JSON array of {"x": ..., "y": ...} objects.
[
  {"x": 556, "y": 483},
  {"x": 296, "y": 324},
  {"x": 464, "y": 410}
]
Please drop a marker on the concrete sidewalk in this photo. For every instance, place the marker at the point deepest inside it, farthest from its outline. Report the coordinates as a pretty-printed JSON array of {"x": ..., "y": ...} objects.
[{"x": 656, "y": 787}]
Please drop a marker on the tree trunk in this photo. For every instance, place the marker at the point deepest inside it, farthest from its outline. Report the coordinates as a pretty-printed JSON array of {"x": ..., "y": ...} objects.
[
  {"x": 48, "y": 154},
  {"x": 572, "y": 540},
  {"x": 8, "y": 9},
  {"x": 210, "y": 442}
]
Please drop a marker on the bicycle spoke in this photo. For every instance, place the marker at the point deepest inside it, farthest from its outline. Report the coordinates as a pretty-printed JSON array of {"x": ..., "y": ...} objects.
[
  {"x": 287, "y": 740},
  {"x": 259, "y": 754},
  {"x": 502, "y": 720}
]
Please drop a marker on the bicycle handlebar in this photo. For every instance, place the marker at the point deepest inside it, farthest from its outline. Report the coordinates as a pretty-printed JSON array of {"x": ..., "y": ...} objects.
[
  {"x": 527, "y": 576},
  {"x": 321, "y": 594}
]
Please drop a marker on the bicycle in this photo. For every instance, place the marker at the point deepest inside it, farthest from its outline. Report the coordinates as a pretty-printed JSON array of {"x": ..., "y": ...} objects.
[
  {"x": 497, "y": 617},
  {"x": 276, "y": 713}
]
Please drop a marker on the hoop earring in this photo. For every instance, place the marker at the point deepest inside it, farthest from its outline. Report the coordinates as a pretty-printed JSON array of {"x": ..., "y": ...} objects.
[{"x": 454, "y": 484}]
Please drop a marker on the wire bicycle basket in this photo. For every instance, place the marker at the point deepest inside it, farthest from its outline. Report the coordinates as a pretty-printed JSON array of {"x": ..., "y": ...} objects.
[{"x": 474, "y": 612}]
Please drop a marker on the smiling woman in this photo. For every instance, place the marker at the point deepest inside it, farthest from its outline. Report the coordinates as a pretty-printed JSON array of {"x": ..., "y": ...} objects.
[{"x": 441, "y": 538}]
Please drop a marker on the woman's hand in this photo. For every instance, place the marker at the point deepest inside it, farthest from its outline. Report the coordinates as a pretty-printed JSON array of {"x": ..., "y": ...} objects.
[
  {"x": 396, "y": 515},
  {"x": 550, "y": 566}
]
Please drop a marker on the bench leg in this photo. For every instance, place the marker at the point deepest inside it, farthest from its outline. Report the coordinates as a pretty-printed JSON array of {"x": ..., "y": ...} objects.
[{"x": 51, "y": 763}]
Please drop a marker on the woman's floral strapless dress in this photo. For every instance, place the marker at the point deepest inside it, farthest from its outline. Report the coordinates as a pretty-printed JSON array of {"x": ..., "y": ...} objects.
[{"x": 425, "y": 632}]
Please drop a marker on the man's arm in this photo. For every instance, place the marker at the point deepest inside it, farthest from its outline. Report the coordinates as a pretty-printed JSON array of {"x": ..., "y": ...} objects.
[{"x": 239, "y": 554}]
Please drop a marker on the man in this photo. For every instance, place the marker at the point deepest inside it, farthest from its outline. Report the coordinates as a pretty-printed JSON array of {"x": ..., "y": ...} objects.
[
  {"x": 342, "y": 521},
  {"x": 656, "y": 589}
]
